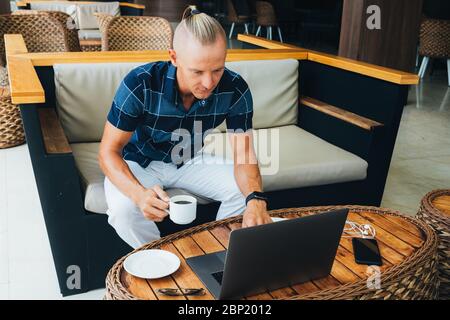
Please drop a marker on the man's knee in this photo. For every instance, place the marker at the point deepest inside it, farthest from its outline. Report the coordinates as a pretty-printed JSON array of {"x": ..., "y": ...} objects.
[{"x": 121, "y": 213}]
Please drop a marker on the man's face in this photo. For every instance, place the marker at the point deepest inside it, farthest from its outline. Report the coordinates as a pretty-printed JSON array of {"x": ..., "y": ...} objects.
[{"x": 200, "y": 67}]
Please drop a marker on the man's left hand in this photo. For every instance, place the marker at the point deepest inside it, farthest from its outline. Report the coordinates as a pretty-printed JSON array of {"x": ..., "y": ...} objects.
[{"x": 255, "y": 214}]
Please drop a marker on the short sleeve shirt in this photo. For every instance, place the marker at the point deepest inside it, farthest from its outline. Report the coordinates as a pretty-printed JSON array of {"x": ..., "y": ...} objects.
[{"x": 148, "y": 104}]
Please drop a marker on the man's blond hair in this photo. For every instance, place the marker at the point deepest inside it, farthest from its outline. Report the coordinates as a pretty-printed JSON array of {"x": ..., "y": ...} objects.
[{"x": 201, "y": 26}]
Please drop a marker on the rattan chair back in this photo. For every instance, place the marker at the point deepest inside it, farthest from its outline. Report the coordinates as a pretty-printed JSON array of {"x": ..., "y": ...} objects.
[
  {"x": 265, "y": 14},
  {"x": 43, "y": 31},
  {"x": 435, "y": 38},
  {"x": 132, "y": 33}
]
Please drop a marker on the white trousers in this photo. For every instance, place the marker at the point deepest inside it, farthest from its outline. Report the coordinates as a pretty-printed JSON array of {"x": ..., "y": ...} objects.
[{"x": 204, "y": 175}]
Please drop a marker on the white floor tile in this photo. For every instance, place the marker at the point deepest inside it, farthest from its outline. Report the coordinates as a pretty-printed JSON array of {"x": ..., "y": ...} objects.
[
  {"x": 3, "y": 188},
  {"x": 27, "y": 233},
  {"x": 4, "y": 291},
  {"x": 38, "y": 290},
  {"x": 33, "y": 279},
  {"x": 4, "y": 259}
]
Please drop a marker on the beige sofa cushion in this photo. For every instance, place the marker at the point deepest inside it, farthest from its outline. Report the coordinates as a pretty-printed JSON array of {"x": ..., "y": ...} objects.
[
  {"x": 304, "y": 160},
  {"x": 290, "y": 157},
  {"x": 83, "y": 110},
  {"x": 274, "y": 88},
  {"x": 84, "y": 93},
  {"x": 86, "y": 17}
]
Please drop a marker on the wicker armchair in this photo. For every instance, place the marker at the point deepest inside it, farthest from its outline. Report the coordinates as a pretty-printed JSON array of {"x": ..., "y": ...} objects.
[
  {"x": 265, "y": 17},
  {"x": 42, "y": 32},
  {"x": 132, "y": 33},
  {"x": 235, "y": 18},
  {"x": 11, "y": 129},
  {"x": 434, "y": 43}
]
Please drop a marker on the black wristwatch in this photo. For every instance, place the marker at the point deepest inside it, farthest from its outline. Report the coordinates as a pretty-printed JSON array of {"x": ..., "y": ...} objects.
[{"x": 256, "y": 195}]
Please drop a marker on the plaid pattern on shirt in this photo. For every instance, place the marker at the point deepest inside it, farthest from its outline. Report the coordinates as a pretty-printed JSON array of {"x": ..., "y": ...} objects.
[{"x": 147, "y": 103}]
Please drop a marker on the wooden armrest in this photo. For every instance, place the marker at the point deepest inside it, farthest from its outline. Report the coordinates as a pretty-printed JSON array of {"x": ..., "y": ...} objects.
[
  {"x": 55, "y": 140},
  {"x": 341, "y": 114},
  {"x": 132, "y": 5},
  {"x": 122, "y": 4}
]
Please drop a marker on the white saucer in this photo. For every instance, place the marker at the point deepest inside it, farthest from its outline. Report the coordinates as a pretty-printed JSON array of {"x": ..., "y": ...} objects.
[
  {"x": 151, "y": 264},
  {"x": 277, "y": 219}
]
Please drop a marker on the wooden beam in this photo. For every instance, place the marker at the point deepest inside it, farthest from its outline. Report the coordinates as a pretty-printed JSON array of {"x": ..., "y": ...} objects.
[
  {"x": 132, "y": 5},
  {"x": 265, "y": 43},
  {"x": 122, "y": 4},
  {"x": 367, "y": 69},
  {"x": 24, "y": 83},
  {"x": 55, "y": 140},
  {"x": 49, "y": 59},
  {"x": 14, "y": 44},
  {"x": 347, "y": 116},
  {"x": 371, "y": 70}
]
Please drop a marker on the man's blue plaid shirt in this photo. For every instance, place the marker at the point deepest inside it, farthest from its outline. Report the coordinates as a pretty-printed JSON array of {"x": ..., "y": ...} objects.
[{"x": 147, "y": 103}]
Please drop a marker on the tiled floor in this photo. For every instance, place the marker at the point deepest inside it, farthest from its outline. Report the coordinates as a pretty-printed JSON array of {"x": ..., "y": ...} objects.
[
  {"x": 421, "y": 159},
  {"x": 421, "y": 162}
]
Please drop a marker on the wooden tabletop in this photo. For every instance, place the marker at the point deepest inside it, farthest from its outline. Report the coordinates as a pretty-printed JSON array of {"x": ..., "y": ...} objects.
[{"x": 398, "y": 238}]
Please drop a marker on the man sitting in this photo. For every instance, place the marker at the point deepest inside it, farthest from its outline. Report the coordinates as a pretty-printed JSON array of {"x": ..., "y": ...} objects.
[{"x": 156, "y": 103}]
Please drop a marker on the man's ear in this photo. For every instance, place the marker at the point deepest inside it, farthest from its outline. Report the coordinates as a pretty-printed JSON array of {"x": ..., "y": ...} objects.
[{"x": 173, "y": 57}]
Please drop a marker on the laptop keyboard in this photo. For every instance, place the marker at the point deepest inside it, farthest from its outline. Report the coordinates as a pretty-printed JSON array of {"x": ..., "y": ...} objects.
[{"x": 218, "y": 276}]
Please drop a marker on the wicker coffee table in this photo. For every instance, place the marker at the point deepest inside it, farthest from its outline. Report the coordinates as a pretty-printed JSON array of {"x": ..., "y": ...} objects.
[
  {"x": 408, "y": 247},
  {"x": 435, "y": 211}
]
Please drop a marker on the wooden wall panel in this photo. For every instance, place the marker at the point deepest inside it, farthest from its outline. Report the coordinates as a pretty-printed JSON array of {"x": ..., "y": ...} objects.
[{"x": 394, "y": 45}]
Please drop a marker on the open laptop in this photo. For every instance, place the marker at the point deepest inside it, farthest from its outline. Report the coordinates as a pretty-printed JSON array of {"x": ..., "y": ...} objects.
[{"x": 272, "y": 256}]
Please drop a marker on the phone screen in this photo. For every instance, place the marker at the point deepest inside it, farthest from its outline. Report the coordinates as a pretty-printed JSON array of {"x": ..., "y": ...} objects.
[{"x": 366, "y": 251}]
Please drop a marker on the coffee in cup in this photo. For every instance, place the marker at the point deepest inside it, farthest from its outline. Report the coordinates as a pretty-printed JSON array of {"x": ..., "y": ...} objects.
[{"x": 182, "y": 209}]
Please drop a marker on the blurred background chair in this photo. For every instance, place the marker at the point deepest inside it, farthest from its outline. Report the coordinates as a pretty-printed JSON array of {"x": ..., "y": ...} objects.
[
  {"x": 42, "y": 32},
  {"x": 130, "y": 33},
  {"x": 236, "y": 17},
  {"x": 11, "y": 128},
  {"x": 266, "y": 17},
  {"x": 434, "y": 43}
]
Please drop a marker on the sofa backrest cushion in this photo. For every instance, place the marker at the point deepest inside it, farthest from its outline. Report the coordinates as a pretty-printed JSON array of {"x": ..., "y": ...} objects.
[
  {"x": 86, "y": 17},
  {"x": 274, "y": 88},
  {"x": 84, "y": 93}
]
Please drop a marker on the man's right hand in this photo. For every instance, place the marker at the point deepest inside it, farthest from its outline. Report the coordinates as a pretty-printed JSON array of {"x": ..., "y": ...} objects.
[{"x": 153, "y": 203}]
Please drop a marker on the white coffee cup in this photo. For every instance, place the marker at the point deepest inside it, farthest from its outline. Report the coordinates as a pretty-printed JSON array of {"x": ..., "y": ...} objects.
[{"x": 182, "y": 213}]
